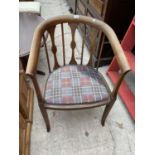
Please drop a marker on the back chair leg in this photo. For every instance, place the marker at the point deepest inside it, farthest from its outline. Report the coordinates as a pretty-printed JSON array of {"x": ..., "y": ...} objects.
[
  {"x": 41, "y": 103},
  {"x": 45, "y": 117},
  {"x": 106, "y": 112}
]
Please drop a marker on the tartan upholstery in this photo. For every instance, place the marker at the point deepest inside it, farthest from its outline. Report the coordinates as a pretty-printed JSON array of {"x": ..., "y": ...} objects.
[{"x": 75, "y": 85}]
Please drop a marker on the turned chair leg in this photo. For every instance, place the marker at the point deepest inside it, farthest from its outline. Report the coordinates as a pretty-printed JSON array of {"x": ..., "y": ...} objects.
[
  {"x": 106, "y": 112},
  {"x": 45, "y": 117}
]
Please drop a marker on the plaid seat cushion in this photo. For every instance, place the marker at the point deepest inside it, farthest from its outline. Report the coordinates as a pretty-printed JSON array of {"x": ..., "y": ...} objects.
[{"x": 75, "y": 85}]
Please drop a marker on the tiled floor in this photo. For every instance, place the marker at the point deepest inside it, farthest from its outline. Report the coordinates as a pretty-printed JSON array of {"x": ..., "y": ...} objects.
[{"x": 79, "y": 132}]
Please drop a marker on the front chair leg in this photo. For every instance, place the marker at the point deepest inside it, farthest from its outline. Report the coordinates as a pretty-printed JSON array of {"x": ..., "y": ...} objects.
[
  {"x": 106, "y": 112},
  {"x": 45, "y": 117}
]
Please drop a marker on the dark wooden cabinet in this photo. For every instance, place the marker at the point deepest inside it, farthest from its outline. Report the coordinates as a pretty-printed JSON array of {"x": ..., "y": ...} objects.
[{"x": 117, "y": 13}]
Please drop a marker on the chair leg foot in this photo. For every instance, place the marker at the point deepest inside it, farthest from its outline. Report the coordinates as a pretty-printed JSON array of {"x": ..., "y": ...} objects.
[
  {"x": 45, "y": 117},
  {"x": 106, "y": 112},
  {"x": 48, "y": 128},
  {"x": 102, "y": 122},
  {"x": 103, "y": 119}
]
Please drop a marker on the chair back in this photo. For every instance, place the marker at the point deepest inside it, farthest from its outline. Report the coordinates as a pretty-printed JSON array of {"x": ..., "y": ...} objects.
[{"x": 95, "y": 28}]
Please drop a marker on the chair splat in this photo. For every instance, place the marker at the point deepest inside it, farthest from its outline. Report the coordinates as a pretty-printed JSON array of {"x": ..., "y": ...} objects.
[
  {"x": 83, "y": 43},
  {"x": 63, "y": 44},
  {"x": 73, "y": 27},
  {"x": 51, "y": 31}
]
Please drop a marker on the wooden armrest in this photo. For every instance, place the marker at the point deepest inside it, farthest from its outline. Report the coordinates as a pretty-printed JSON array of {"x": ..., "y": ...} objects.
[
  {"x": 116, "y": 47},
  {"x": 107, "y": 30},
  {"x": 119, "y": 54}
]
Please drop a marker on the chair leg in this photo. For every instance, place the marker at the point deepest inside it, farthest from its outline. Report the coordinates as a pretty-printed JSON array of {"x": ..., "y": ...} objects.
[
  {"x": 45, "y": 117},
  {"x": 106, "y": 112}
]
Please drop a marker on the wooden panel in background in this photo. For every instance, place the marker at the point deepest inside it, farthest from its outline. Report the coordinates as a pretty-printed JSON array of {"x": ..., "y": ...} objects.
[
  {"x": 25, "y": 114},
  {"x": 97, "y": 4},
  {"x": 117, "y": 13}
]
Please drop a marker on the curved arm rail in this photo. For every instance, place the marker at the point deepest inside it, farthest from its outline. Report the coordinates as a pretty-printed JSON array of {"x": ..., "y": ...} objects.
[{"x": 107, "y": 30}]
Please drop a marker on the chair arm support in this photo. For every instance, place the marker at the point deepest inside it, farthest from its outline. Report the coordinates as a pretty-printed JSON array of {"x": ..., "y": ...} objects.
[{"x": 117, "y": 85}]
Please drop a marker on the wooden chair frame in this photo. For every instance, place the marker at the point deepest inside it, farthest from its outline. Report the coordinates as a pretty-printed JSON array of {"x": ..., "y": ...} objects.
[{"x": 73, "y": 20}]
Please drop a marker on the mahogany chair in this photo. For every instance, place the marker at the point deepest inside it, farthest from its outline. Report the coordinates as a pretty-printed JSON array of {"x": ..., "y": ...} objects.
[{"x": 75, "y": 85}]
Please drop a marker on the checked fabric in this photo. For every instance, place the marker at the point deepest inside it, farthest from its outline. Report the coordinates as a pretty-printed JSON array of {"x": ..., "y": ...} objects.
[{"x": 75, "y": 85}]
